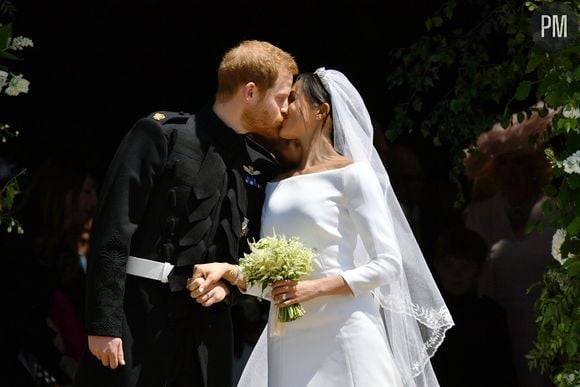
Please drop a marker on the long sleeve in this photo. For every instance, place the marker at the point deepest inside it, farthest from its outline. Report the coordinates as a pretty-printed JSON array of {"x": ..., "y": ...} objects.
[
  {"x": 123, "y": 201},
  {"x": 368, "y": 210}
]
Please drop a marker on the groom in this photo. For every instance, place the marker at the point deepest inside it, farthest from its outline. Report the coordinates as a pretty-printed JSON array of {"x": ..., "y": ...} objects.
[{"x": 182, "y": 189}]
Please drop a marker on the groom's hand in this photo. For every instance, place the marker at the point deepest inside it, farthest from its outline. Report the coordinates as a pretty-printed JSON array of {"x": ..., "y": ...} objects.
[
  {"x": 213, "y": 294},
  {"x": 109, "y": 350},
  {"x": 205, "y": 276}
]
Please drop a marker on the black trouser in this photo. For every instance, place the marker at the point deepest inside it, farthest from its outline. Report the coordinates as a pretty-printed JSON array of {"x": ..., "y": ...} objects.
[{"x": 189, "y": 347}]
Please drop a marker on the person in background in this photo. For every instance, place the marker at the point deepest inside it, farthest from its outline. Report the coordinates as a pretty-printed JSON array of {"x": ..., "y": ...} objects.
[
  {"x": 508, "y": 171},
  {"x": 47, "y": 332},
  {"x": 477, "y": 351}
]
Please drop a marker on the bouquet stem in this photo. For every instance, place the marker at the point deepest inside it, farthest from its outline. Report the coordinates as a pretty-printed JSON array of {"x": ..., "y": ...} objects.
[{"x": 290, "y": 313}]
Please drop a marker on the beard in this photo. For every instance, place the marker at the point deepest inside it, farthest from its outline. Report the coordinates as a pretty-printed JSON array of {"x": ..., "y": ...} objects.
[{"x": 260, "y": 122}]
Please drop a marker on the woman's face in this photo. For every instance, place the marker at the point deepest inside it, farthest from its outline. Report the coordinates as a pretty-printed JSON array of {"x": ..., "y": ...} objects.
[{"x": 301, "y": 121}]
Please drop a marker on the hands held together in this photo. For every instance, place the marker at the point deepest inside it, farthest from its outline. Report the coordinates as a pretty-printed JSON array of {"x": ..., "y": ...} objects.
[{"x": 207, "y": 285}]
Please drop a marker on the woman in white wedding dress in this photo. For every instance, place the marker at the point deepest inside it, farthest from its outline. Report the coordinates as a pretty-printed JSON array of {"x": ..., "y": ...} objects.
[{"x": 374, "y": 316}]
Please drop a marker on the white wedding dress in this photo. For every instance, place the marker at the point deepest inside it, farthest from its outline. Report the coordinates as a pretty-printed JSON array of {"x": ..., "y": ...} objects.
[{"x": 341, "y": 341}]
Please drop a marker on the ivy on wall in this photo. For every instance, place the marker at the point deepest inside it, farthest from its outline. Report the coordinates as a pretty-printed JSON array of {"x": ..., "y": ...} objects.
[
  {"x": 11, "y": 85},
  {"x": 480, "y": 65}
]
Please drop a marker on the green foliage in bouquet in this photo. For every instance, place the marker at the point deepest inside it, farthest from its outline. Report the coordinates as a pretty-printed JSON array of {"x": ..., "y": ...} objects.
[{"x": 275, "y": 258}]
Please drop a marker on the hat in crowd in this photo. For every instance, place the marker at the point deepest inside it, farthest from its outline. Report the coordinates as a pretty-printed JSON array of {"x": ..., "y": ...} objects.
[{"x": 518, "y": 137}]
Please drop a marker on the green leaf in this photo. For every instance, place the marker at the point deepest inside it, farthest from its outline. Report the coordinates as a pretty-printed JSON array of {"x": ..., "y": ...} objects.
[
  {"x": 448, "y": 9},
  {"x": 577, "y": 73},
  {"x": 417, "y": 105},
  {"x": 523, "y": 90},
  {"x": 8, "y": 201},
  {"x": 9, "y": 55},
  {"x": 572, "y": 267},
  {"x": 573, "y": 181},
  {"x": 547, "y": 206},
  {"x": 531, "y": 6},
  {"x": 435, "y": 21},
  {"x": 505, "y": 119},
  {"x": 563, "y": 198},
  {"x": 5, "y": 36},
  {"x": 456, "y": 105},
  {"x": 574, "y": 226},
  {"x": 546, "y": 83},
  {"x": 533, "y": 63},
  {"x": 447, "y": 58}
]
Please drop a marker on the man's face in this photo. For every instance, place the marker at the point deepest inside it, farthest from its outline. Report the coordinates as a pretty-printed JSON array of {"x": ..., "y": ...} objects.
[{"x": 264, "y": 116}]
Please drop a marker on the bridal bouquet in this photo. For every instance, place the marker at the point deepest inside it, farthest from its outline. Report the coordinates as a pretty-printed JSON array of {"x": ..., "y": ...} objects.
[{"x": 276, "y": 258}]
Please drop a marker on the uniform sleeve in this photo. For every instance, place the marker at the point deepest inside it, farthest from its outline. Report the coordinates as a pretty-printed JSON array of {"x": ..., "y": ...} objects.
[
  {"x": 123, "y": 199},
  {"x": 368, "y": 209}
]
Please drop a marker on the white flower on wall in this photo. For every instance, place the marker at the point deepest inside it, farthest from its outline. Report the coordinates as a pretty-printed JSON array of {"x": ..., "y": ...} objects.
[
  {"x": 19, "y": 42},
  {"x": 572, "y": 163},
  {"x": 17, "y": 85}
]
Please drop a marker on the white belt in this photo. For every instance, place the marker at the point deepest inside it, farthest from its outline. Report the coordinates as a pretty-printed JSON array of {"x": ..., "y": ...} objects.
[{"x": 149, "y": 269}]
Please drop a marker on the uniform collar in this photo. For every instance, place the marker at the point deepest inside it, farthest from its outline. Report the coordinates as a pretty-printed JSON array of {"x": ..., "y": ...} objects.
[{"x": 213, "y": 129}]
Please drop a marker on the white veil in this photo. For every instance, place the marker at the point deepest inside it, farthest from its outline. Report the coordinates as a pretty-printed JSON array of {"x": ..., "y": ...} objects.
[{"x": 415, "y": 315}]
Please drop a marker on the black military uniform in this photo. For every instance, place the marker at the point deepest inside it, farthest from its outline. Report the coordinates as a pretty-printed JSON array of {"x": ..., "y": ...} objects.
[{"x": 182, "y": 189}]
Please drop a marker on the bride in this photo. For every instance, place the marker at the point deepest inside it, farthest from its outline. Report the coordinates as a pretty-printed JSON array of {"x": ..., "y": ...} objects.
[{"x": 374, "y": 316}]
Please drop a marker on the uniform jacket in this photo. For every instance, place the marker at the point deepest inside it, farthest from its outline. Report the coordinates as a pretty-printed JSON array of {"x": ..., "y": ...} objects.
[{"x": 184, "y": 189}]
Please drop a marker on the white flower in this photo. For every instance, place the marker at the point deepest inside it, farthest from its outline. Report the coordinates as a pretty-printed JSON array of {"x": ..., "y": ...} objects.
[
  {"x": 557, "y": 240},
  {"x": 571, "y": 377},
  {"x": 3, "y": 79},
  {"x": 17, "y": 85},
  {"x": 20, "y": 42},
  {"x": 274, "y": 258},
  {"x": 572, "y": 163},
  {"x": 570, "y": 111}
]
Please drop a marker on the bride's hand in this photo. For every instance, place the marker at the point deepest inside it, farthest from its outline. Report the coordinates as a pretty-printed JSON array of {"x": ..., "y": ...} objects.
[
  {"x": 205, "y": 276},
  {"x": 287, "y": 292}
]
